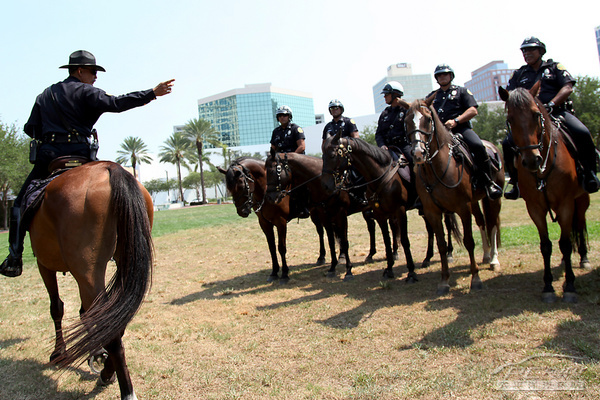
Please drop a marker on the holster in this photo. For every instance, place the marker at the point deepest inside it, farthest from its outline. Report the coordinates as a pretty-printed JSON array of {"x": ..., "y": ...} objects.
[{"x": 33, "y": 149}]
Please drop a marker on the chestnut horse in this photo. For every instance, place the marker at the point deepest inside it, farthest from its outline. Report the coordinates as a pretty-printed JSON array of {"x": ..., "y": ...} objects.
[
  {"x": 89, "y": 215},
  {"x": 388, "y": 194},
  {"x": 444, "y": 185},
  {"x": 548, "y": 183},
  {"x": 246, "y": 180}
]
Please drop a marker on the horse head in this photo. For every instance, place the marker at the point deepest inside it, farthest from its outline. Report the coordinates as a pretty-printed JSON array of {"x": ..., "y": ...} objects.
[
  {"x": 336, "y": 160},
  {"x": 279, "y": 177},
  {"x": 526, "y": 124},
  {"x": 420, "y": 128},
  {"x": 241, "y": 184}
]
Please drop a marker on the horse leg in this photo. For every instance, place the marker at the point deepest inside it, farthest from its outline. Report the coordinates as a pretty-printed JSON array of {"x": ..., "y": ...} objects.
[
  {"x": 427, "y": 261},
  {"x": 116, "y": 363},
  {"x": 282, "y": 233},
  {"x": 267, "y": 229},
  {"x": 491, "y": 209},
  {"x": 342, "y": 232},
  {"x": 581, "y": 205},
  {"x": 470, "y": 246},
  {"x": 480, "y": 221},
  {"x": 368, "y": 216},
  {"x": 539, "y": 219},
  {"x": 566, "y": 248},
  {"x": 331, "y": 238},
  {"x": 56, "y": 310},
  {"x": 435, "y": 220},
  {"x": 403, "y": 225},
  {"x": 394, "y": 229},
  {"x": 388, "y": 273},
  {"x": 315, "y": 219},
  {"x": 450, "y": 251}
]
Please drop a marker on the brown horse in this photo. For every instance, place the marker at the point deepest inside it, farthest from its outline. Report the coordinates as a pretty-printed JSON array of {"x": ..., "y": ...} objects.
[
  {"x": 90, "y": 214},
  {"x": 548, "y": 183},
  {"x": 287, "y": 173},
  {"x": 389, "y": 196},
  {"x": 246, "y": 180},
  {"x": 444, "y": 185}
]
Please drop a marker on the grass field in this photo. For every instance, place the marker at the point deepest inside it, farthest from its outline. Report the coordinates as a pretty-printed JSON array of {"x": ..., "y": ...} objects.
[{"x": 213, "y": 328}]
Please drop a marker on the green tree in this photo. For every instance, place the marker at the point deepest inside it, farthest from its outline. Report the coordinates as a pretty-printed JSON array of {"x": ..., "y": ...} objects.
[
  {"x": 133, "y": 149},
  {"x": 367, "y": 133},
  {"x": 193, "y": 181},
  {"x": 200, "y": 131},
  {"x": 490, "y": 124},
  {"x": 14, "y": 165},
  {"x": 586, "y": 102},
  {"x": 156, "y": 186},
  {"x": 176, "y": 150}
]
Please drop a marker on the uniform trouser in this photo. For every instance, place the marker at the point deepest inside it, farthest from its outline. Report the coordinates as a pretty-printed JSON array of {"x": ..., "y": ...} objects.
[
  {"x": 509, "y": 158},
  {"x": 476, "y": 147},
  {"x": 405, "y": 149},
  {"x": 582, "y": 138}
]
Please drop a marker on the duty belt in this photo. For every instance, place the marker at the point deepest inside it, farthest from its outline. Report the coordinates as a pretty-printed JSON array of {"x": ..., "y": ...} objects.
[{"x": 61, "y": 137}]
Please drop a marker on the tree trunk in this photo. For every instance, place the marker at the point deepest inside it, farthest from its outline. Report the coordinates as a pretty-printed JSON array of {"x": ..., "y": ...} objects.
[
  {"x": 179, "y": 181},
  {"x": 199, "y": 146}
]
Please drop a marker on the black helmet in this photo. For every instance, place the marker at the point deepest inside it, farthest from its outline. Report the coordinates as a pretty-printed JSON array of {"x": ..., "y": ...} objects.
[
  {"x": 336, "y": 103},
  {"x": 283, "y": 110},
  {"x": 443, "y": 68},
  {"x": 532, "y": 41},
  {"x": 393, "y": 87}
]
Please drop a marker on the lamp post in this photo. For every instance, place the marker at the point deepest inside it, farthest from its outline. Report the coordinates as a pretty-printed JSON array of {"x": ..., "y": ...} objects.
[{"x": 168, "y": 191}]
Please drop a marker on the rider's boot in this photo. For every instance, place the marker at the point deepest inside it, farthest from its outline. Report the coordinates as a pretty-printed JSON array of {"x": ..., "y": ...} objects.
[
  {"x": 509, "y": 164},
  {"x": 590, "y": 180},
  {"x": 492, "y": 189},
  {"x": 13, "y": 265}
]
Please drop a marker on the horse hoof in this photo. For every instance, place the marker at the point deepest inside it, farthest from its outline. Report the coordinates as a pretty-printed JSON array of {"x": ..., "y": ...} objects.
[
  {"x": 443, "y": 290},
  {"x": 450, "y": 259},
  {"x": 388, "y": 274},
  {"x": 476, "y": 285},
  {"x": 106, "y": 382},
  {"x": 549, "y": 297},
  {"x": 369, "y": 260},
  {"x": 426, "y": 263},
  {"x": 569, "y": 297},
  {"x": 495, "y": 267},
  {"x": 331, "y": 274},
  {"x": 321, "y": 261},
  {"x": 284, "y": 281},
  {"x": 132, "y": 396},
  {"x": 348, "y": 277},
  {"x": 342, "y": 259},
  {"x": 586, "y": 265},
  {"x": 411, "y": 279},
  {"x": 486, "y": 260}
]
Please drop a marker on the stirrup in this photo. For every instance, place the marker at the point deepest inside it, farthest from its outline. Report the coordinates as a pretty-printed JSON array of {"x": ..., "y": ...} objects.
[
  {"x": 514, "y": 193},
  {"x": 591, "y": 183},
  {"x": 493, "y": 191}
]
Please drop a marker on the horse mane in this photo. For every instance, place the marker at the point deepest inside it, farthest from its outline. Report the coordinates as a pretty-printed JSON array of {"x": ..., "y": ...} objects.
[
  {"x": 520, "y": 98},
  {"x": 229, "y": 177},
  {"x": 382, "y": 157}
]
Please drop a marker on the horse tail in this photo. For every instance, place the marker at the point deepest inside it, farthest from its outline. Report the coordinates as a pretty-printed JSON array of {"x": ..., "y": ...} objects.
[
  {"x": 113, "y": 309},
  {"x": 579, "y": 235},
  {"x": 452, "y": 226}
]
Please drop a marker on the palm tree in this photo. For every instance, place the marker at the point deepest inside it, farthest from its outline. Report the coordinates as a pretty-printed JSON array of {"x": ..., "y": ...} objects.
[
  {"x": 175, "y": 151},
  {"x": 133, "y": 149},
  {"x": 199, "y": 131}
]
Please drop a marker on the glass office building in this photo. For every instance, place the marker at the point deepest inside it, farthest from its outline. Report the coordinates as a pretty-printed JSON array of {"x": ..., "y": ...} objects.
[
  {"x": 246, "y": 117},
  {"x": 486, "y": 80},
  {"x": 415, "y": 86}
]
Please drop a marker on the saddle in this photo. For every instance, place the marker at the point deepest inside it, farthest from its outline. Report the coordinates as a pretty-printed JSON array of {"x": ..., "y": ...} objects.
[
  {"x": 462, "y": 152},
  {"x": 36, "y": 189}
]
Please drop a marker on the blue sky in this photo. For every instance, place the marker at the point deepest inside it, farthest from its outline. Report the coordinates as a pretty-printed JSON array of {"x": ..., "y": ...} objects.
[{"x": 332, "y": 49}]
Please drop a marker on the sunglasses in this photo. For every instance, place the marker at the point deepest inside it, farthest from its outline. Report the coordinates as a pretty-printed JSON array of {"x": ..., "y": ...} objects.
[{"x": 91, "y": 71}]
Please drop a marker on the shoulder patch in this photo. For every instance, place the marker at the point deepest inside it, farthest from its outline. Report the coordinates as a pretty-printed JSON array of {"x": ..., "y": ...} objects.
[
  {"x": 300, "y": 130},
  {"x": 468, "y": 91},
  {"x": 351, "y": 120},
  {"x": 560, "y": 66}
]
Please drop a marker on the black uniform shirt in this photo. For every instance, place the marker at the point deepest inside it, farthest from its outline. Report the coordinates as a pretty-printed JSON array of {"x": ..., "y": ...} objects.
[
  {"x": 346, "y": 124},
  {"x": 553, "y": 75},
  {"x": 390, "y": 127},
  {"x": 81, "y": 105},
  {"x": 453, "y": 102},
  {"x": 285, "y": 140}
]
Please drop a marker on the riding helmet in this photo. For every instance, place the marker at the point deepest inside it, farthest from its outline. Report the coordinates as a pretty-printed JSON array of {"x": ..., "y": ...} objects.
[
  {"x": 443, "y": 68},
  {"x": 393, "y": 87},
  {"x": 532, "y": 41},
  {"x": 336, "y": 103},
  {"x": 283, "y": 110}
]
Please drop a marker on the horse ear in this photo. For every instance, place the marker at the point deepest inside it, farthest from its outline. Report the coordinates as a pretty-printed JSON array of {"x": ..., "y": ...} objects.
[
  {"x": 221, "y": 170},
  {"x": 503, "y": 93},
  {"x": 429, "y": 101},
  {"x": 338, "y": 135},
  {"x": 535, "y": 89}
]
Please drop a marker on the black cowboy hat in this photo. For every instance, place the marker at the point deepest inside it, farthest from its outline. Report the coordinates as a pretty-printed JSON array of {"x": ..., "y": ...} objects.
[{"x": 83, "y": 58}]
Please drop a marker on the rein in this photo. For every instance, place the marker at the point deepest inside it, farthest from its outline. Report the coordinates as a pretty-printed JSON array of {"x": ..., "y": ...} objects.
[{"x": 286, "y": 166}]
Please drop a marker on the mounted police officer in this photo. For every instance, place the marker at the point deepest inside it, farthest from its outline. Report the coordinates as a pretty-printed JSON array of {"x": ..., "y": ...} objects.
[
  {"x": 62, "y": 122},
  {"x": 391, "y": 134},
  {"x": 347, "y": 125},
  {"x": 556, "y": 84},
  {"x": 456, "y": 106},
  {"x": 287, "y": 137}
]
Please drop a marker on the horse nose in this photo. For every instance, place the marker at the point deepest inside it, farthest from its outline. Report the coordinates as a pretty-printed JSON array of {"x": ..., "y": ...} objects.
[
  {"x": 417, "y": 155},
  {"x": 532, "y": 162}
]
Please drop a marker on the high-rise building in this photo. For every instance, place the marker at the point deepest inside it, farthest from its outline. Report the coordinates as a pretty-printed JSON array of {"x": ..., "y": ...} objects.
[
  {"x": 246, "y": 116},
  {"x": 598, "y": 40},
  {"x": 485, "y": 80},
  {"x": 415, "y": 86}
]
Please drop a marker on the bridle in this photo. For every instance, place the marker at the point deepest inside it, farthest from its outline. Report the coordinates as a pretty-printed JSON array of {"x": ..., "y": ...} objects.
[
  {"x": 247, "y": 179},
  {"x": 280, "y": 167},
  {"x": 340, "y": 175}
]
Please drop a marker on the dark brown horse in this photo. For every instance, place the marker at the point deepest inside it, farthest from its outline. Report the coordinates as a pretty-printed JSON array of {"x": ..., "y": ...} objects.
[
  {"x": 246, "y": 180},
  {"x": 388, "y": 194},
  {"x": 444, "y": 185},
  {"x": 548, "y": 183},
  {"x": 90, "y": 214},
  {"x": 287, "y": 173}
]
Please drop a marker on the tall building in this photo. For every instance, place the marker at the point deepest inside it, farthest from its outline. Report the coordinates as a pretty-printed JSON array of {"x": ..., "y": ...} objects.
[
  {"x": 598, "y": 40},
  {"x": 246, "y": 116},
  {"x": 485, "y": 80},
  {"x": 415, "y": 86}
]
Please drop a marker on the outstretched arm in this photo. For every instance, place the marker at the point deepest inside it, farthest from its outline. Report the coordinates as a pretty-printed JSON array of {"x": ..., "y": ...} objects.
[{"x": 163, "y": 88}]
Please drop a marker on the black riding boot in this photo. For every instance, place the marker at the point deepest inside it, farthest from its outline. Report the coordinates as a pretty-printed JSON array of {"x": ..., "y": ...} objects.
[
  {"x": 492, "y": 190},
  {"x": 509, "y": 165},
  {"x": 590, "y": 180},
  {"x": 13, "y": 265}
]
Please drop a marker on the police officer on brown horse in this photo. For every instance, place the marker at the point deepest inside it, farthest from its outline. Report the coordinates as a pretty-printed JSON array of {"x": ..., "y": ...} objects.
[
  {"x": 556, "y": 84},
  {"x": 62, "y": 122}
]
